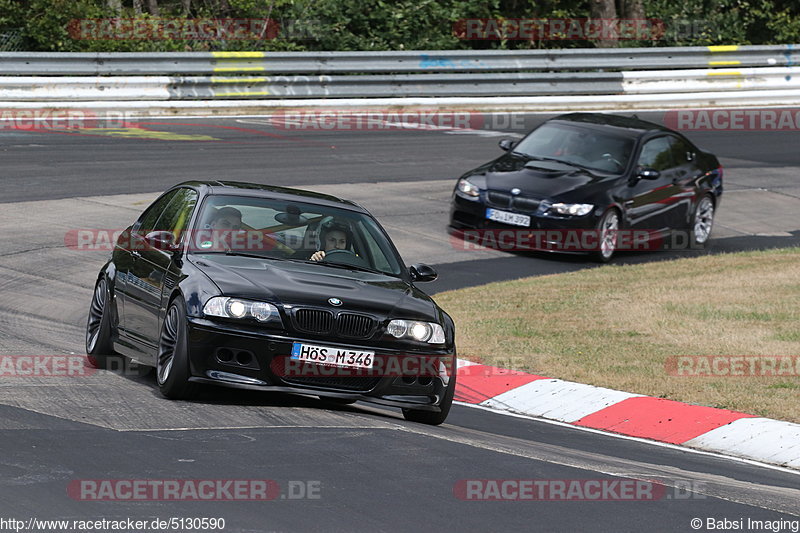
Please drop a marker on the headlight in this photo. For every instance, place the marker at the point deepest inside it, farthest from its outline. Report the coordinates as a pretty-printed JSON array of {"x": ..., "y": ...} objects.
[
  {"x": 468, "y": 188},
  {"x": 225, "y": 307},
  {"x": 572, "y": 209},
  {"x": 429, "y": 332}
]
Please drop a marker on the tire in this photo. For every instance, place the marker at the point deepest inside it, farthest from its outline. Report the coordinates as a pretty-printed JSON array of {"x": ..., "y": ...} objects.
[
  {"x": 172, "y": 359},
  {"x": 429, "y": 417},
  {"x": 607, "y": 230},
  {"x": 702, "y": 221},
  {"x": 99, "y": 347}
]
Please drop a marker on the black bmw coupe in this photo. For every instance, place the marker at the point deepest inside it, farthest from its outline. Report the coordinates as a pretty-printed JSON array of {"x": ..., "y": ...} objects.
[
  {"x": 589, "y": 182},
  {"x": 270, "y": 288}
]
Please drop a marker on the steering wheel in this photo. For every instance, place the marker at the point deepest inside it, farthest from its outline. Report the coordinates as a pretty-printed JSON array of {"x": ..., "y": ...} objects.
[
  {"x": 609, "y": 157},
  {"x": 344, "y": 257}
]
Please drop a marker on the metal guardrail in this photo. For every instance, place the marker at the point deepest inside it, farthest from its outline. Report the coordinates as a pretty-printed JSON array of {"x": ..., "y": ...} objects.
[
  {"x": 91, "y": 88},
  {"x": 211, "y": 63},
  {"x": 110, "y": 77}
]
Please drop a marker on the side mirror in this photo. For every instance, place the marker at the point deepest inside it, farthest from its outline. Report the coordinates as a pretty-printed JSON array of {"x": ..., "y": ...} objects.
[
  {"x": 161, "y": 240},
  {"x": 506, "y": 144},
  {"x": 646, "y": 173},
  {"x": 422, "y": 272}
]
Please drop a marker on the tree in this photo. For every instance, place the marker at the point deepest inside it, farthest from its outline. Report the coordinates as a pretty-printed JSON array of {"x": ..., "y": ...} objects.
[
  {"x": 115, "y": 6},
  {"x": 606, "y": 11},
  {"x": 631, "y": 9}
]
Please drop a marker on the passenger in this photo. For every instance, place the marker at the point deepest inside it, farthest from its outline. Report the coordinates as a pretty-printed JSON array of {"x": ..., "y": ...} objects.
[
  {"x": 217, "y": 233},
  {"x": 226, "y": 218}
]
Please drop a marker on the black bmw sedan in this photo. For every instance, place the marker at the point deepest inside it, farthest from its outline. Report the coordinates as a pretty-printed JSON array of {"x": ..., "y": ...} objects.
[
  {"x": 589, "y": 182},
  {"x": 270, "y": 288}
]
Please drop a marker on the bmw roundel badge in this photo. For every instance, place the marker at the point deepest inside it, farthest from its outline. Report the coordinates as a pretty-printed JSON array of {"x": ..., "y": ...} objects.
[{"x": 335, "y": 301}]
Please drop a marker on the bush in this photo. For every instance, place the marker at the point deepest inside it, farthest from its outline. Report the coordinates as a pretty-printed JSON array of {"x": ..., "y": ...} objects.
[{"x": 395, "y": 24}]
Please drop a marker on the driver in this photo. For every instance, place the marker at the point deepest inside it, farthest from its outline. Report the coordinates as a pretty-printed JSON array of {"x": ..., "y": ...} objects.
[
  {"x": 576, "y": 145},
  {"x": 333, "y": 237}
]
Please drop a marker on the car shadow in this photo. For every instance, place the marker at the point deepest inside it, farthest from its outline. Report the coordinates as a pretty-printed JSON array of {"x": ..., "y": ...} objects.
[
  {"x": 523, "y": 264},
  {"x": 743, "y": 243},
  {"x": 229, "y": 396}
]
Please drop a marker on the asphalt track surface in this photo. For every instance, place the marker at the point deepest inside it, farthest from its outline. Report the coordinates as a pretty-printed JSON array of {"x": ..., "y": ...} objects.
[{"x": 373, "y": 470}]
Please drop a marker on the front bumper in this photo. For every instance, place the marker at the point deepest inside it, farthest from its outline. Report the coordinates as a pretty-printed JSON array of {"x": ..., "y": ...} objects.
[
  {"x": 471, "y": 214},
  {"x": 250, "y": 358},
  {"x": 570, "y": 235}
]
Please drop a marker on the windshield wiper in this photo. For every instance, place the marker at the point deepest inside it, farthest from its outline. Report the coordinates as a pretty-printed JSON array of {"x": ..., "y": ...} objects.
[
  {"x": 585, "y": 170},
  {"x": 573, "y": 164},
  {"x": 541, "y": 158},
  {"x": 347, "y": 267},
  {"x": 243, "y": 254},
  {"x": 538, "y": 157},
  {"x": 306, "y": 261}
]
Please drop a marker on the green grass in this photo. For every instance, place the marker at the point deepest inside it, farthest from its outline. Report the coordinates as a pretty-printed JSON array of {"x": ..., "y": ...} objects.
[{"x": 616, "y": 326}]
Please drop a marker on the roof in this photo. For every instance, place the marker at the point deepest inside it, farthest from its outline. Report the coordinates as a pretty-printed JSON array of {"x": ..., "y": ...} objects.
[
  {"x": 258, "y": 190},
  {"x": 634, "y": 125}
]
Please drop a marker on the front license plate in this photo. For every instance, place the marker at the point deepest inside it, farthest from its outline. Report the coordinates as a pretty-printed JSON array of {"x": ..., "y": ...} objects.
[
  {"x": 326, "y": 355},
  {"x": 505, "y": 217}
]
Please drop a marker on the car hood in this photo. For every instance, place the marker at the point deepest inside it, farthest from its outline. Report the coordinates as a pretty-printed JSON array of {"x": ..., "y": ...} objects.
[
  {"x": 300, "y": 284},
  {"x": 537, "y": 179}
]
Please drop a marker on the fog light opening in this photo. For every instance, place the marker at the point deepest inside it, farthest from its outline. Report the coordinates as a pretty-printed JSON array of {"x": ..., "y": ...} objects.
[{"x": 244, "y": 358}]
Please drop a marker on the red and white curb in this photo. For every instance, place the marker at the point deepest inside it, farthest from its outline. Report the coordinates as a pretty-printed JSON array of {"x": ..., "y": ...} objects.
[{"x": 705, "y": 428}]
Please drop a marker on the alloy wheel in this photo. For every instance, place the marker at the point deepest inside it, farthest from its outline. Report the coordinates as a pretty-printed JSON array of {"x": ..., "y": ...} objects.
[
  {"x": 703, "y": 220},
  {"x": 96, "y": 310},
  {"x": 166, "y": 346},
  {"x": 608, "y": 234}
]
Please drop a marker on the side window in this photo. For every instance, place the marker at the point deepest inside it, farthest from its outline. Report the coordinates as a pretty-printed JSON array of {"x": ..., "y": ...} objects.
[
  {"x": 147, "y": 222},
  {"x": 657, "y": 154},
  {"x": 378, "y": 259},
  {"x": 177, "y": 214},
  {"x": 679, "y": 150}
]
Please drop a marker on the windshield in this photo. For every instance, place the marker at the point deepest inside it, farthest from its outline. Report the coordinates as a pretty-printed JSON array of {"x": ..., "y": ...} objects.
[
  {"x": 288, "y": 230},
  {"x": 586, "y": 147}
]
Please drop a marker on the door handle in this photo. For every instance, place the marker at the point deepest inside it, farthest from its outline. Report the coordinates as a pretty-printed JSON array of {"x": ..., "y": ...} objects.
[{"x": 136, "y": 254}]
